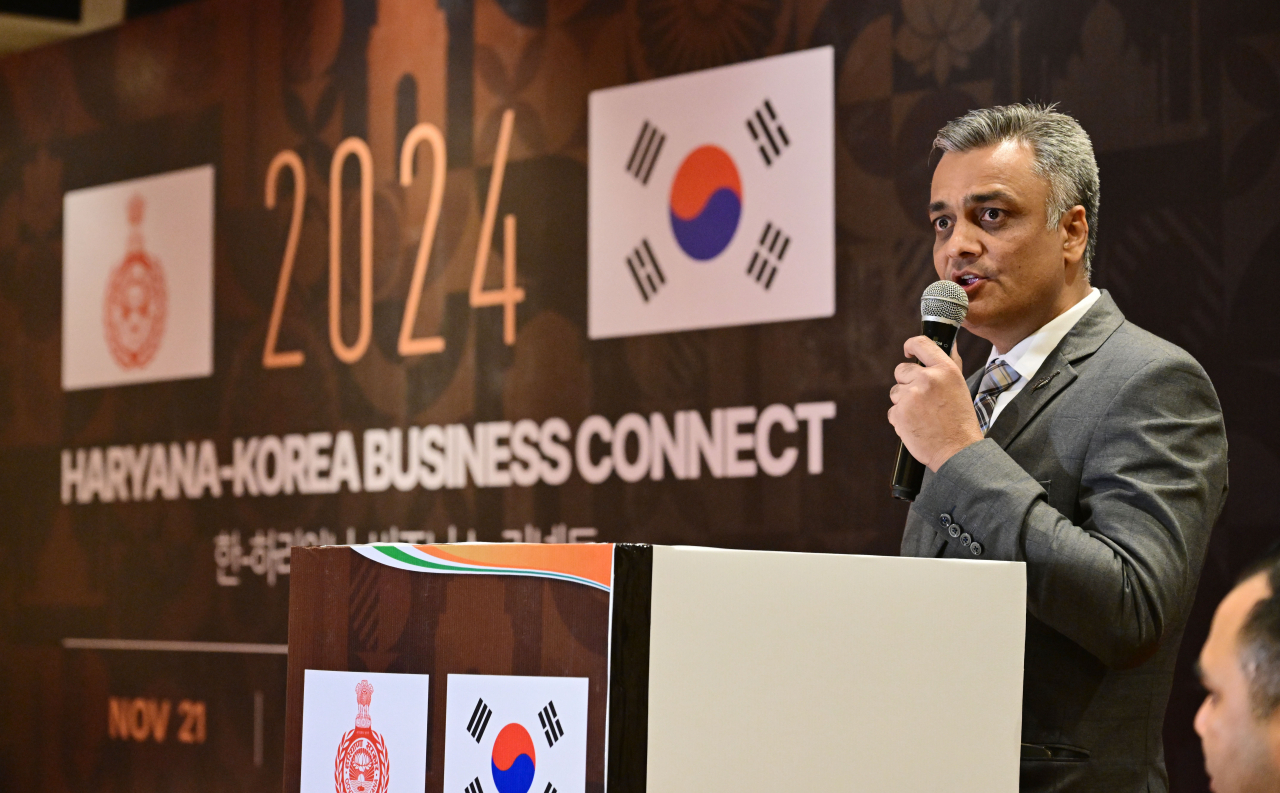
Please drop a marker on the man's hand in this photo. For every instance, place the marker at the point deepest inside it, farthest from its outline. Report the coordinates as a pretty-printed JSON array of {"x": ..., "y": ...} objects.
[{"x": 932, "y": 411}]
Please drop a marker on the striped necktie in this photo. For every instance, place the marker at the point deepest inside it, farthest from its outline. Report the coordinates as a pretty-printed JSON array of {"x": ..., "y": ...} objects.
[{"x": 997, "y": 379}]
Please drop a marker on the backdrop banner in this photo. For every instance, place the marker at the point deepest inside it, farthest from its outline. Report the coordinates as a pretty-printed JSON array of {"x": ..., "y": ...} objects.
[{"x": 279, "y": 274}]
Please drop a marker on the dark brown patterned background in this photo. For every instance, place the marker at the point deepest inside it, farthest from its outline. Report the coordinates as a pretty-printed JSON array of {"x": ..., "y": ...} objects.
[{"x": 1182, "y": 98}]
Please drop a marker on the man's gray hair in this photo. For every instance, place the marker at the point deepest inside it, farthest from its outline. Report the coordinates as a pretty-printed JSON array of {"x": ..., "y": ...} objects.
[
  {"x": 1259, "y": 643},
  {"x": 1062, "y": 150}
]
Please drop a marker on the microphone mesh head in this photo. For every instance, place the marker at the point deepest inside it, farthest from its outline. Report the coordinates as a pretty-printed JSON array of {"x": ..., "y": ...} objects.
[{"x": 944, "y": 301}]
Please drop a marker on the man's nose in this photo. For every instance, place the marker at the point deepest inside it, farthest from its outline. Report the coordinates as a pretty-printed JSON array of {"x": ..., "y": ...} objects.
[
  {"x": 1202, "y": 718},
  {"x": 964, "y": 243}
]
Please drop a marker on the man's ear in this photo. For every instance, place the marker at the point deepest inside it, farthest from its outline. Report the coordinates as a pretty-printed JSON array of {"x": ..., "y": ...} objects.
[{"x": 1073, "y": 230}]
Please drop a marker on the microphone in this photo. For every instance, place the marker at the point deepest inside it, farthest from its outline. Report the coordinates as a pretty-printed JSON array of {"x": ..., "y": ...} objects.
[{"x": 943, "y": 307}]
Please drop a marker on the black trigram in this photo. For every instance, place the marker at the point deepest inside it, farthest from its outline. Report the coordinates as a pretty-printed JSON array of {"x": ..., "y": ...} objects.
[
  {"x": 474, "y": 787},
  {"x": 550, "y": 724},
  {"x": 765, "y": 259},
  {"x": 479, "y": 720},
  {"x": 550, "y": 788},
  {"x": 645, "y": 153},
  {"x": 767, "y": 132},
  {"x": 645, "y": 270}
]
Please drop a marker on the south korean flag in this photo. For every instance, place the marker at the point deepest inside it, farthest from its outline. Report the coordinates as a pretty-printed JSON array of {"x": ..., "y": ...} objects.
[
  {"x": 506, "y": 734},
  {"x": 712, "y": 198}
]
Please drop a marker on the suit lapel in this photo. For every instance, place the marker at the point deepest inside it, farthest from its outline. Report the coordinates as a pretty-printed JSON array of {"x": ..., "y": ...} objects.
[
  {"x": 1057, "y": 372},
  {"x": 1054, "y": 375}
]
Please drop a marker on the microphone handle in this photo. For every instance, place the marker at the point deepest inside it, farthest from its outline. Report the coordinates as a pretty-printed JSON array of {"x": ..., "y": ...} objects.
[{"x": 908, "y": 472}]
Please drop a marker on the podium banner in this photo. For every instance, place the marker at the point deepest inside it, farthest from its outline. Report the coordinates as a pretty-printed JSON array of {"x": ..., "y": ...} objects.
[{"x": 516, "y": 639}]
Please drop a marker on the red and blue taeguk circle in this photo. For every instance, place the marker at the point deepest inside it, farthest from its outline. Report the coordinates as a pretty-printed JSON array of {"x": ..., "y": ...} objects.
[
  {"x": 706, "y": 202},
  {"x": 513, "y": 760}
]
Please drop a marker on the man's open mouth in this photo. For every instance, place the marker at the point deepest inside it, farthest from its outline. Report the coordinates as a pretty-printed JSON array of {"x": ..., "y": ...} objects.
[{"x": 967, "y": 280}]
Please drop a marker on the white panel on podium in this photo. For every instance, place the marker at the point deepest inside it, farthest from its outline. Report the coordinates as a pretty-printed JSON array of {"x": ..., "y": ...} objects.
[{"x": 780, "y": 671}]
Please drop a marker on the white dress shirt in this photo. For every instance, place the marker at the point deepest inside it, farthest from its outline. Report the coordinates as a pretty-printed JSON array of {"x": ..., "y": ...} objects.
[{"x": 1027, "y": 356}]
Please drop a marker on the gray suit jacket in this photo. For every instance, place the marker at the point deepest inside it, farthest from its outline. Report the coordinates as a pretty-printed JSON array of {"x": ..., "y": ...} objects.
[{"x": 1105, "y": 474}]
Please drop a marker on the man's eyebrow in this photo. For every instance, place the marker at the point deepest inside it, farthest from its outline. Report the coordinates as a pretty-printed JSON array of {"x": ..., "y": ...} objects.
[
  {"x": 974, "y": 198},
  {"x": 982, "y": 198}
]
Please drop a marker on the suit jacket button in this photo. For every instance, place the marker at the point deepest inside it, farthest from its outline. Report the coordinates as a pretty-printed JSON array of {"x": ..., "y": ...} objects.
[
  {"x": 944, "y": 519},
  {"x": 965, "y": 539},
  {"x": 954, "y": 530},
  {"x": 976, "y": 547}
]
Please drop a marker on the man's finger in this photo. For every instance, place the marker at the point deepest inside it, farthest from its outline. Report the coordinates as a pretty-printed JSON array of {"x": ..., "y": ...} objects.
[
  {"x": 924, "y": 350},
  {"x": 906, "y": 372}
]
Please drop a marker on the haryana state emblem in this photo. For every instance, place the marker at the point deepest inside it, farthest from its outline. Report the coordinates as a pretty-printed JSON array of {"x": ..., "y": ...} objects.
[
  {"x": 362, "y": 765},
  {"x": 136, "y": 302}
]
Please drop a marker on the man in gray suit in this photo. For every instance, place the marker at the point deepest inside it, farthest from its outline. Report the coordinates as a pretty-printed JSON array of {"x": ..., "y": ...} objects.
[{"x": 1088, "y": 448}]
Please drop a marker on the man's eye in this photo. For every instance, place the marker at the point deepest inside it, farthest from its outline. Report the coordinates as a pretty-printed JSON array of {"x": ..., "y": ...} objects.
[
  {"x": 942, "y": 224},
  {"x": 990, "y": 214}
]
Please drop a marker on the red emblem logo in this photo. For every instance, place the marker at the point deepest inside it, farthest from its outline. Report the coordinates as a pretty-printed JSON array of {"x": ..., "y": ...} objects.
[
  {"x": 136, "y": 301},
  {"x": 362, "y": 765}
]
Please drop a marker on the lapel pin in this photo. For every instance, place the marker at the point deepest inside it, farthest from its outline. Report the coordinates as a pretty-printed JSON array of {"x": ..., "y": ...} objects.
[{"x": 1044, "y": 382}]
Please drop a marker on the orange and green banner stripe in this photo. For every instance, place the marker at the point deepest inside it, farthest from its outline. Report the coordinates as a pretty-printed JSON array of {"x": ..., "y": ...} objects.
[{"x": 585, "y": 563}]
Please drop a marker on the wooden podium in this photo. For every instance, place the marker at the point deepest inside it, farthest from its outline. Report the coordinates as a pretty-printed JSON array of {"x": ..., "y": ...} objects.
[{"x": 706, "y": 670}]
